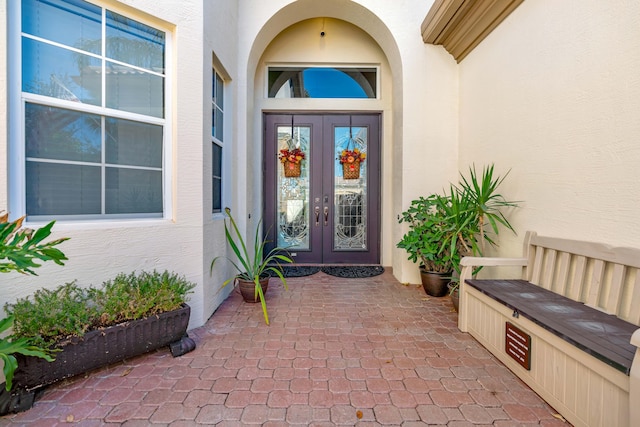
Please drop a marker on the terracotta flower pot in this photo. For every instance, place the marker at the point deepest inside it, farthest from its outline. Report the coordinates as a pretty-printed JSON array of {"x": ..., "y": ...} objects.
[{"x": 248, "y": 289}]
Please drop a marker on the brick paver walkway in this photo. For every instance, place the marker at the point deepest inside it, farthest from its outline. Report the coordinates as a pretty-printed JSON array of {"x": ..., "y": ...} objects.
[{"x": 348, "y": 352}]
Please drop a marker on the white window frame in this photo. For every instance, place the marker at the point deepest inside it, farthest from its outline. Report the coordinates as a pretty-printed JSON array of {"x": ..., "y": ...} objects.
[
  {"x": 324, "y": 65},
  {"x": 17, "y": 102},
  {"x": 227, "y": 134},
  {"x": 218, "y": 142}
]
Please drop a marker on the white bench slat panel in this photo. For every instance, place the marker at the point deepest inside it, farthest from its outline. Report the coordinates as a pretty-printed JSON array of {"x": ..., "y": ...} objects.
[
  {"x": 582, "y": 404},
  {"x": 634, "y": 305},
  {"x": 528, "y": 252},
  {"x": 549, "y": 269},
  {"x": 558, "y": 368},
  {"x": 594, "y": 397},
  {"x": 572, "y": 376},
  {"x": 594, "y": 285},
  {"x": 612, "y": 400},
  {"x": 562, "y": 273},
  {"x": 618, "y": 255},
  {"x": 578, "y": 278},
  {"x": 537, "y": 265},
  {"x": 616, "y": 289}
]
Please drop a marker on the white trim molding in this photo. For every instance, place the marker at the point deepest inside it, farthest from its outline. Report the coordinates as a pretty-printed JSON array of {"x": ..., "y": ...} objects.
[{"x": 460, "y": 25}]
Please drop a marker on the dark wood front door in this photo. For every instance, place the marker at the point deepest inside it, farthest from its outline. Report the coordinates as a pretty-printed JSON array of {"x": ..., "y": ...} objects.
[{"x": 325, "y": 215}]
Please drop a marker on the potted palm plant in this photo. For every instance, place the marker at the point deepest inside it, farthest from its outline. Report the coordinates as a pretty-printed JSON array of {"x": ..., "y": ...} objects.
[
  {"x": 253, "y": 268},
  {"x": 443, "y": 228},
  {"x": 483, "y": 214}
]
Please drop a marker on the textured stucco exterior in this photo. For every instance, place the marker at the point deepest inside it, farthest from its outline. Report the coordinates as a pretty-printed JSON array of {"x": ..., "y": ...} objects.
[{"x": 554, "y": 94}]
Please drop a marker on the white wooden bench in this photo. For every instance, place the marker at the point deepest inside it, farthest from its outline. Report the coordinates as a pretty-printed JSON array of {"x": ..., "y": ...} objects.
[{"x": 579, "y": 304}]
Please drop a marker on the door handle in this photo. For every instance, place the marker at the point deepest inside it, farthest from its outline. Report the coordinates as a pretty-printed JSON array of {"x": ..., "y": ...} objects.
[
  {"x": 317, "y": 210},
  {"x": 326, "y": 216}
]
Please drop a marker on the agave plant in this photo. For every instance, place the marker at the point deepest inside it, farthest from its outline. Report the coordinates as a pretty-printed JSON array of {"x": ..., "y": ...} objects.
[
  {"x": 481, "y": 192},
  {"x": 251, "y": 266}
]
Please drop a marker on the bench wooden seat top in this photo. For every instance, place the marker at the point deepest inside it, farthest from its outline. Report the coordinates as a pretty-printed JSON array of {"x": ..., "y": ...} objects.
[{"x": 602, "y": 335}]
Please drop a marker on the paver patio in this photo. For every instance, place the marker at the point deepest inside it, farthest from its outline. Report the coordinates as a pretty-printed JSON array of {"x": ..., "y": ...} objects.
[{"x": 365, "y": 352}]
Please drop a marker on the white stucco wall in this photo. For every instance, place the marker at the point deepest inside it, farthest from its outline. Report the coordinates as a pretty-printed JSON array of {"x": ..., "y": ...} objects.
[
  {"x": 186, "y": 241},
  {"x": 554, "y": 94}
]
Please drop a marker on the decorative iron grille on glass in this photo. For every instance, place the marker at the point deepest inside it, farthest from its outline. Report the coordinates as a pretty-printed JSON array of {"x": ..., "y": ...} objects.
[
  {"x": 350, "y": 211},
  {"x": 293, "y": 194}
]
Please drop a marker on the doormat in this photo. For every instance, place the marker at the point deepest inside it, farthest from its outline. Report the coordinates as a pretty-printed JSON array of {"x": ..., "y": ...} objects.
[
  {"x": 296, "y": 271},
  {"x": 353, "y": 271}
]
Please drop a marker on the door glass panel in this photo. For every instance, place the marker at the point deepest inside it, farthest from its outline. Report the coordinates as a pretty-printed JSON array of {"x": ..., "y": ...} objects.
[
  {"x": 350, "y": 192},
  {"x": 293, "y": 191}
]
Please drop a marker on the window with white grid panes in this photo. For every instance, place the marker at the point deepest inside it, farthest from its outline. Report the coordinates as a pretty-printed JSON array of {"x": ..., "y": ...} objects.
[
  {"x": 93, "y": 93},
  {"x": 217, "y": 138}
]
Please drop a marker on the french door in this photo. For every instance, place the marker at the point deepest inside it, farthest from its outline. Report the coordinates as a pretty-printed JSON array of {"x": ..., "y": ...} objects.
[{"x": 329, "y": 214}]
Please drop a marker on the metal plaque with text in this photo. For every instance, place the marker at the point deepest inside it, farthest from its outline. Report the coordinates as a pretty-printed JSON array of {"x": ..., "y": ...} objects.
[{"x": 518, "y": 345}]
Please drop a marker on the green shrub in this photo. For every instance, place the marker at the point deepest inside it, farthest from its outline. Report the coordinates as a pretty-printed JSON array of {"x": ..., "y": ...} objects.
[
  {"x": 53, "y": 316},
  {"x": 129, "y": 297}
]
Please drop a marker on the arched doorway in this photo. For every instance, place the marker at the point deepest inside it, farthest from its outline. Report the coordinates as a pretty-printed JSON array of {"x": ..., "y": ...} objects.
[{"x": 344, "y": 44}]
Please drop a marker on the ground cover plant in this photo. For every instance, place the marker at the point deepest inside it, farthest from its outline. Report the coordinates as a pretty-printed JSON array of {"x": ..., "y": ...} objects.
[{"x": 51, "y": 317}]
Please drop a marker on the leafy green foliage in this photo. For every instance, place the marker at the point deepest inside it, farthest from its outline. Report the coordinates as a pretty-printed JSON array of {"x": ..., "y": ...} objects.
[
  {"x": 252, "y": 266},
  {"x": 425, "y": 240},
  {"x": 53, "y": 316},
  {"x": 9, "y": 347},
  {"x": 444, "y": 228},
  {"x": 486, "y": 203},
  {"x": 135, "y": 296},
  {"x": 20, "y": 248}
]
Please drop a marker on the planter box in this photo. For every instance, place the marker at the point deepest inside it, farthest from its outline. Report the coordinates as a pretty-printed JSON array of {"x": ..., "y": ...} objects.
[{"x": 100, "y": 348}]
